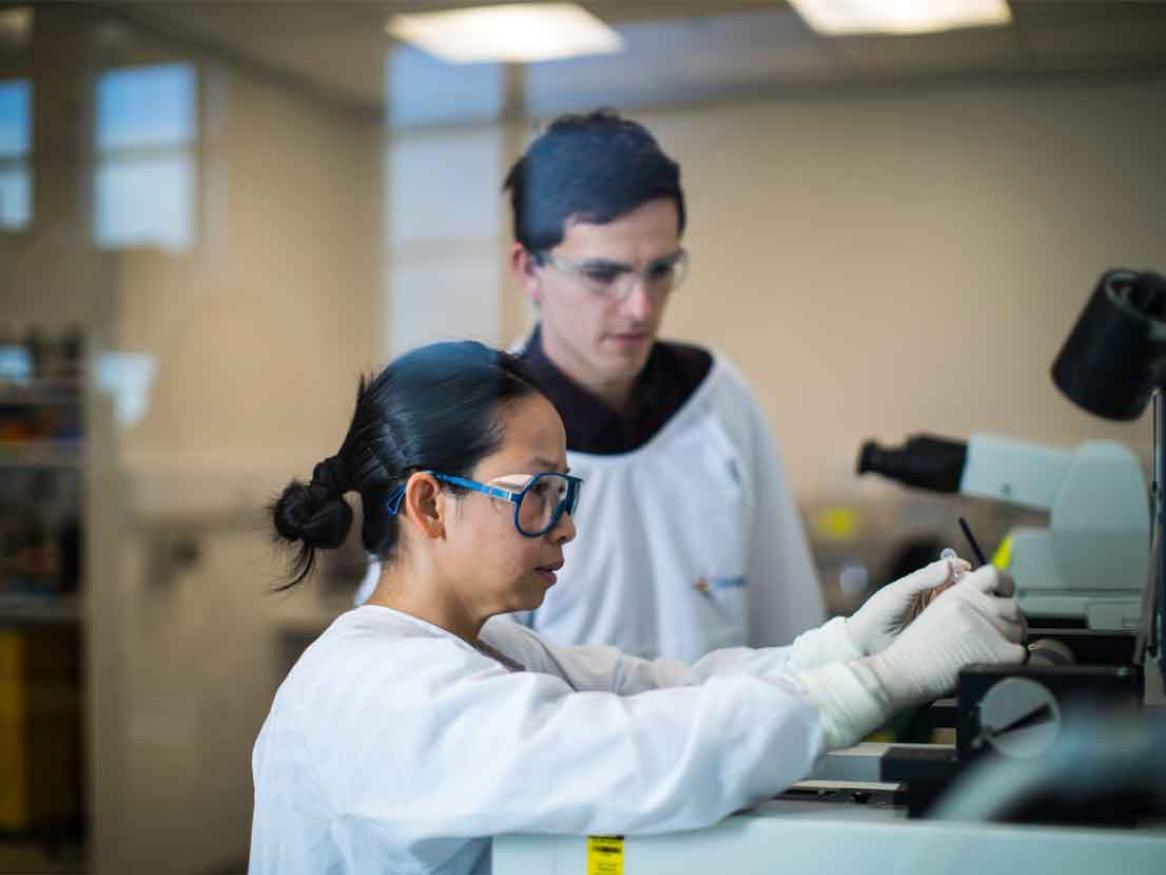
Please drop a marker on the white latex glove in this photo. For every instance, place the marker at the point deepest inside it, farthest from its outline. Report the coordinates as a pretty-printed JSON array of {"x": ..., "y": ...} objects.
[
  {"x": 882, "y": 617},
  {"x": 976, "y": 621}
]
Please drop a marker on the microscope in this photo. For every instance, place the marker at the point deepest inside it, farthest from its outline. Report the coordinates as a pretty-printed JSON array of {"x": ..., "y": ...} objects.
[
  {"x": 1092, "y": 585},
  {"x": 1088, "y": 567}
]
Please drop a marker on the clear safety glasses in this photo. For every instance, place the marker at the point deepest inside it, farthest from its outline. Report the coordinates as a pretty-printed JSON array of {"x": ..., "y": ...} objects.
[
  {"x": 539, "y": 500},
  {"x": 614, "y": 281}
]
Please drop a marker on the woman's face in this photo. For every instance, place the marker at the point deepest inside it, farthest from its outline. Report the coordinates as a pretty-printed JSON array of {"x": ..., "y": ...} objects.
[{"x": 493, "y": 566}]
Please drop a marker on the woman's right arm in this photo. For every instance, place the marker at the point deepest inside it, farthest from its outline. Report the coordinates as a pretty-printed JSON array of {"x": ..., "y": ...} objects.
[{"x": 500, "y": 752}]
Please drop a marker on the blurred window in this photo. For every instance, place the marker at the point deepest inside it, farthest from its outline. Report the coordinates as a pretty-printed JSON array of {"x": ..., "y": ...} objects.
[
  {"x": 424, "y": 90},
  {"x": 444, "y": 159},
  {"x": 15, "y": 148},
  {"x": 146, "y": 139},
  {"x": 444, "y": 214}
]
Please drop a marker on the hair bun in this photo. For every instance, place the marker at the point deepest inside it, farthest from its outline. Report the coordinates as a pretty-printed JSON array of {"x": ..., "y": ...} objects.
[
  {"x": 332, "y": 475},
  {"x": 313, "y": 514}
]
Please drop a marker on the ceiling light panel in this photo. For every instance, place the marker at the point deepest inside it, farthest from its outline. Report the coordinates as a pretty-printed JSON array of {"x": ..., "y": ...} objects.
[
  {"x": 514, "y": 33},
  {"x": 846, "y": 17}
]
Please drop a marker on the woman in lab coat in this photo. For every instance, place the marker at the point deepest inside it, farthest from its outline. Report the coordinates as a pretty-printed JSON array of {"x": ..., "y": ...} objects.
[{"x": 415, "y": 727}]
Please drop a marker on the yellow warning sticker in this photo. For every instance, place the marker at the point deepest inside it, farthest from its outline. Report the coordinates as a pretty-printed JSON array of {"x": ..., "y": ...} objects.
[{"x": 605, "y": 855}]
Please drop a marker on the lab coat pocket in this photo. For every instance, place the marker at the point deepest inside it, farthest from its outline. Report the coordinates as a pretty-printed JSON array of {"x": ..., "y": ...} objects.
[
  {"x": 719, "y": 536},
  {"x": 726, "y": 595}
]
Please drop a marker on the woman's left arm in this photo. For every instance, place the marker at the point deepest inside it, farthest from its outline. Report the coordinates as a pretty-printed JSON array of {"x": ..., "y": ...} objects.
[{"x": 606, "y": 668}]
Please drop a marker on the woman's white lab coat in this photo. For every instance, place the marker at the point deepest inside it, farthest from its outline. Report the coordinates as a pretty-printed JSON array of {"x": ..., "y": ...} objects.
[{"x": 394, "y": 746}]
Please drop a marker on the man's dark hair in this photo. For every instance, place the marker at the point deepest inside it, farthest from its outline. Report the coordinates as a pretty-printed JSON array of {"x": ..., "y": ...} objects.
[{"x": 593, "y": 168}]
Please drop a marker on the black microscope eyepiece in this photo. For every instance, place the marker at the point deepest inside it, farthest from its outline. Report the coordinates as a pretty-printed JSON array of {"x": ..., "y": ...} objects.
[{"x": 924, "y": 461}]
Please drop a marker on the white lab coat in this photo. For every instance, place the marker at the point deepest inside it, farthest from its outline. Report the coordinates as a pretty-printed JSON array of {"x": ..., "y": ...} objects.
[
  {"x": 394, "y": 746},
  {"x": 687, "y": 544}
]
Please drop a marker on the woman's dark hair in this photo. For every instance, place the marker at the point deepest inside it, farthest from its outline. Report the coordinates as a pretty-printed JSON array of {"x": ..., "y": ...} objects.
[
  {"x": 594, "y": 167},
  {"x": 436, "y": 408}
]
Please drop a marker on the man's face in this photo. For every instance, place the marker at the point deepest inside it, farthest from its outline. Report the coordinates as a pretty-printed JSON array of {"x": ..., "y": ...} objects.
[{"x": 597, "y": 340}]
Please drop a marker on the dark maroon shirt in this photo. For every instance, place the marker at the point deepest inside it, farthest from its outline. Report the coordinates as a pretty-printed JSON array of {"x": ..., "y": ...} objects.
[{"x": 673, "y": 372}]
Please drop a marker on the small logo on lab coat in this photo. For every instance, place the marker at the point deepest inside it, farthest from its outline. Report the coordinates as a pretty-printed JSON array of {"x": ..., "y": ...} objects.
[{"x": 709, "y": 584}]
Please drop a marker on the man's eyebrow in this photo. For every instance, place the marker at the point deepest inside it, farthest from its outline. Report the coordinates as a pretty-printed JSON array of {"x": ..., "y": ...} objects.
[
  {"x": 604, "y": 262},
  {"x": 624, "y": 265},
  {"x": 666, "y": 259},
  {"x": 548, "y": 465}
]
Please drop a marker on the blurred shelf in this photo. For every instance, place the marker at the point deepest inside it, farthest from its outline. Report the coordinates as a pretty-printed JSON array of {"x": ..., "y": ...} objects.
[
  {"x": 45, "y": 853},
  {"x": 41, "y": 454},
  {"x": 47, "y": 391},
  {"x": 39, "y": 608}
]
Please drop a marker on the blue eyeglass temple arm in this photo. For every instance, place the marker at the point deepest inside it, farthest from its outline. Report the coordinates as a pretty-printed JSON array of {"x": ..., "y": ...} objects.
[
  {"x": 494, "y": 491},
  {"x": 393, "y": 502}
]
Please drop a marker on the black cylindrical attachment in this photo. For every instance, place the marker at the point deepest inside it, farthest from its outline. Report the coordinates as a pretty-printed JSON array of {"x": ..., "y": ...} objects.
[
  {"x": 1110, "y": 362},
  {"x": 925, "y": 461}
]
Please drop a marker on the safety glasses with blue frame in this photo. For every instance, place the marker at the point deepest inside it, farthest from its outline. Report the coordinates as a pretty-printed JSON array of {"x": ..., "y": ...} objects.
[{"x": 538, "y": 505}]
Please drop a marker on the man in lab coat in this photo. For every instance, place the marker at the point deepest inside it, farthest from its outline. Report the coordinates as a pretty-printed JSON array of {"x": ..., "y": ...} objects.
[{"x": 689, "y": 539}]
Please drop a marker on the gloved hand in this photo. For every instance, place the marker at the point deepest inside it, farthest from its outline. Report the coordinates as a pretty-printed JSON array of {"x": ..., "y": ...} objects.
[
  {"x": 883, "y": 616},
  {"x": 976, "y": 621}
]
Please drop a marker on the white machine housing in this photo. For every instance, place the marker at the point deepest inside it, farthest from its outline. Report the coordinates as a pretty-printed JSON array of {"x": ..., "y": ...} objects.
[{"x": 1092, "y": 562}]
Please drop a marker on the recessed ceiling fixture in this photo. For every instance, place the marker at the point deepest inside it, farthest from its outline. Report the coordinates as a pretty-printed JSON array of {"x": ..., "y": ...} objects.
[
  {"x": 841, "y": 17},
  {"x": 15, "y": 25},
  {"x": 515, "y": 33}
]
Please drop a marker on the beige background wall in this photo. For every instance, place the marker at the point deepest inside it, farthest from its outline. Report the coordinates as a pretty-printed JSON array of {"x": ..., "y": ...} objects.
[
  {"x": 887, "y": 262},
  {"x": 262, "y": 330},
  {"x": 260, "y": 335}
]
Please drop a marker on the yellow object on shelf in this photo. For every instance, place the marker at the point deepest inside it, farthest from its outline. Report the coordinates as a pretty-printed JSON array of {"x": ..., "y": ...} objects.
[
  {"x": 40, "y": 727},
  {"x": 838, "y": 523}
]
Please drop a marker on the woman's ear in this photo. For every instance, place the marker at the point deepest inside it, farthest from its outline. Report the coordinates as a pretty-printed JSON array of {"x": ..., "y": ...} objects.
[{"x": 422, "y": 505}]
